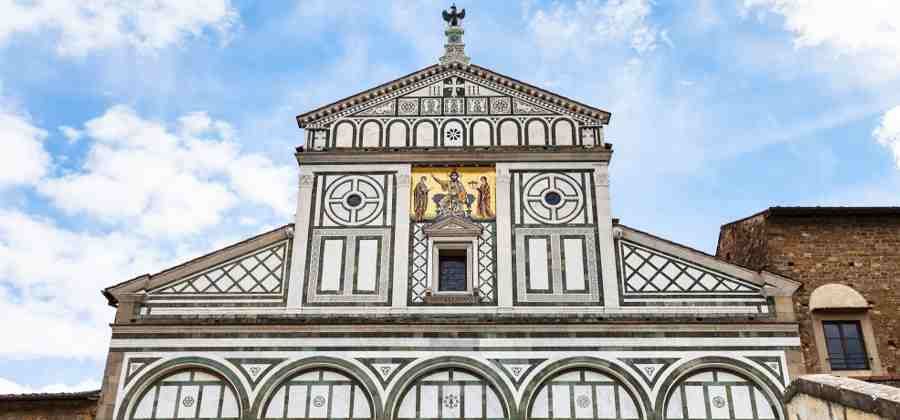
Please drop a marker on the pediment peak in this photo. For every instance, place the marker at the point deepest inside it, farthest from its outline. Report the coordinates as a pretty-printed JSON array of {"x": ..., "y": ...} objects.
[
  {"x": 472, "y": 73},
  {"x": 453, "y": 226}
]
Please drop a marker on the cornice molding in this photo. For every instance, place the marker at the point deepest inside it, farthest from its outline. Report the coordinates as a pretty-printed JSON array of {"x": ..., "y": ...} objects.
[
  {"x": 418, "y": 79},
  {"x": 454, "y": 155}
]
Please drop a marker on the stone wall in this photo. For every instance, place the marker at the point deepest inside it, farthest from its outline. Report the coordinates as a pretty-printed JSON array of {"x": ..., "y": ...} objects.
[
  {"x": 76, "y": 406},
  {"x": 858, "y": 250},
  {"x": 744, "y": 242},
  {"x": 826, "y": 397}
]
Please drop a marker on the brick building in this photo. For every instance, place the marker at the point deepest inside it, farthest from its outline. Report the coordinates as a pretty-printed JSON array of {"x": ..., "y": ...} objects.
[
  {"x": 848, "y": 259},
  {"x": 54, "y": 406}
]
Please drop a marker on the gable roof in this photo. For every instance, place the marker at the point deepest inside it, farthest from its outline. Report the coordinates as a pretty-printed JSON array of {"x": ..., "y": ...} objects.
[
  {"x": 53, "y": 396},
  {"x": 147, "y": 281},
  {"x": 373, "y": 94},
  {"x": 821, "y": 211},
  {"x": 779, "y": 285}
]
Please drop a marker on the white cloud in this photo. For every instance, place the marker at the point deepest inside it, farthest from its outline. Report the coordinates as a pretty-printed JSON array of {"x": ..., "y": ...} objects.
[
  {"x": 887, "y": 133},
  {"x": 23, "y": 159},
  {"x": 867, "y": 30},
  {"x": 168, "y": 181},
  {"x": 582, "y": 25},
  {"x": 9, "y": 387},
  {"x": 50, "y": 277},
  {"x": 87, "y": 25},
  {"x": 70, "y": 133}
]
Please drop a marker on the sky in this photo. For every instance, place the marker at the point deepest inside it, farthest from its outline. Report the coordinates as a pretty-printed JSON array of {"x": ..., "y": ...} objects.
[{"x": 136, "y": 135}]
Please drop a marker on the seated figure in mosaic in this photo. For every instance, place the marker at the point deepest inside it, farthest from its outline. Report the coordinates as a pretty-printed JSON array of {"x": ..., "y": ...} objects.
[{"x": 457, "y": 201}]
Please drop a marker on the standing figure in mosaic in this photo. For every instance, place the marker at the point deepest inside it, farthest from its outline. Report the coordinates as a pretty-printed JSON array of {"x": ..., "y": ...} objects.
[
  {"x": 455, "y": 202},
  {"x": 483, "y": 203},
  {"x": 420, "y": 198}
]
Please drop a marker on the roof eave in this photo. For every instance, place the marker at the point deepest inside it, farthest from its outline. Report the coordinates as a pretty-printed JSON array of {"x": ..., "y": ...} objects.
[{"x": 113, "y": 293}]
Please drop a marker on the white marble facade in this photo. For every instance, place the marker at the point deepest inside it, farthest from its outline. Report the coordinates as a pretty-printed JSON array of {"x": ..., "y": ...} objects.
[
  {"x": 675, "y": 378},
  {"x": 569, "y": 315}
]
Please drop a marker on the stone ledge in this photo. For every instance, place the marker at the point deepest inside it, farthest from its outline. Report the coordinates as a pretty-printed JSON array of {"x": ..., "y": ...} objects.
[
  {"x": 864, "y": 396},
  {"x": 489, "y": 318},
  {"x": 454, "y": 155},
  {"x": 451, "y": 299}
]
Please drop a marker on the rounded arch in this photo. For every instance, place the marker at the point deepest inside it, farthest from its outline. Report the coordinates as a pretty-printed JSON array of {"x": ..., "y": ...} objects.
[
  {"x": 836, "y": 296},
  {"x": 537, "y": 133},
  {"x": 453, "y": 133},
  {"x": 422, "y": 136},
  {"x": 175, "y": 366},
  {"x": 370, "y": 134},
  {"x": 344, "y": 134},
  {"x": 394, "y": 128},
  {"x": 704, "y": 364},
  {"x": 509, "y": 132},
  {"x": 632, "y": 386},
  {"x": 484, "y": 372},
  {"x": 477, "y": 132},
  {"x": 268, "y": 389},
  {"x": 564, "y": 132}
]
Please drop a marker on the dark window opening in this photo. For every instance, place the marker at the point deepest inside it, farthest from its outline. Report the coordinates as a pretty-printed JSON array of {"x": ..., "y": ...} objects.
[
  {"x": 452, "y": 270},
  {"x": 354, "y": 200},
  {"x": 846, "y": 348},
  {"x": 552, "y": 198}
]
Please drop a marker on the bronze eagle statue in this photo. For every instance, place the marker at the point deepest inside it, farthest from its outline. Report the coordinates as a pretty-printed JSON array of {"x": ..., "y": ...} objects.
[{"x": 453, "y": 17}]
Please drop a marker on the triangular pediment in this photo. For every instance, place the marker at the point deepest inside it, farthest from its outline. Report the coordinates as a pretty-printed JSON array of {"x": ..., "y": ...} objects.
[
  {"x": 453, "y": 90},
  {"x": 650, "y": 267},
  {"x": 453, "y": 226},
  {"x": 257, "y": 266}
]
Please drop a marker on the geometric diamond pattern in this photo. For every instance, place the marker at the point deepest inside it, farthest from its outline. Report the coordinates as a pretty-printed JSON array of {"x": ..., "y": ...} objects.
[
  {"x": 418, "y": 263},
  {"x": 487, "y": 267},
  {"x": 647, "y": 271},
  {"x": 258, "y": 273},
  {"x": 486, "y": 285}
]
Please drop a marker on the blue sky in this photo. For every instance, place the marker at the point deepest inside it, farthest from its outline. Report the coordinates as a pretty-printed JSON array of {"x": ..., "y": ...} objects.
[{"x": 137, "y": 137}]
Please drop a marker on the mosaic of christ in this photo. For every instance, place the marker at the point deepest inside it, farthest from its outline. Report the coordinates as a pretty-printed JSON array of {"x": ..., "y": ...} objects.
[{"x": 462, "y": 191}]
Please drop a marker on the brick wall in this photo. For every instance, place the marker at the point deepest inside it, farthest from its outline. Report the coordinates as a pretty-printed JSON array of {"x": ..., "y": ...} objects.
[
  {"x": 862, "y": 252},
  {"x": 49, "y": 409},
  {"x": 744, "y": 242}
]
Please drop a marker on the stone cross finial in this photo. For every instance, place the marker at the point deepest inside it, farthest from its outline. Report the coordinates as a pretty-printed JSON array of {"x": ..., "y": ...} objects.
[{"x": 454, "y": 48}]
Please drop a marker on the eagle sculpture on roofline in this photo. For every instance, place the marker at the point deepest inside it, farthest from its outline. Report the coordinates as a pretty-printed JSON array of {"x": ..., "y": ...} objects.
[{"x": 453, "y": 17}]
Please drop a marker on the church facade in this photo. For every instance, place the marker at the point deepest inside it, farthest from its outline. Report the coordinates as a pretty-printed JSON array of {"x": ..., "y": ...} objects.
[{"x": 453, "y": 257}]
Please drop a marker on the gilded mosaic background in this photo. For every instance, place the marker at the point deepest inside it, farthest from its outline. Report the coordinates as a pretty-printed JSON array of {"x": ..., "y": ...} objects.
[{"x": 438, "y": 191}]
